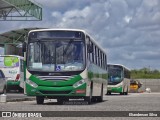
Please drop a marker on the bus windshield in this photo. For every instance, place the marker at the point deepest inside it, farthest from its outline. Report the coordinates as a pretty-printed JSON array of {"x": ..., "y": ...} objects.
[
  {"x": 56, "y": 55},
  {"x": 115, "y": 75}
]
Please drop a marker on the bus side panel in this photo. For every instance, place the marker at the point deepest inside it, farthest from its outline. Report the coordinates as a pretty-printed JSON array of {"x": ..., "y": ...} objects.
[{"x": 98, "y": 77}]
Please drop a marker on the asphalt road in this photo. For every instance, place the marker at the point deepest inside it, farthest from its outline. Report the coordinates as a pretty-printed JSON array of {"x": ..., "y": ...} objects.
[
  {"x": 132, "y": 102},
  {"x": 13, "y": 97}
]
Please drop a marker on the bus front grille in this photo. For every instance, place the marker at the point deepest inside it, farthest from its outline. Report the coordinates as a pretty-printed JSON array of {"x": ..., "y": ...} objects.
[
  {"x": 55, "y": 92},
  {"x": 51, "y": 78}
]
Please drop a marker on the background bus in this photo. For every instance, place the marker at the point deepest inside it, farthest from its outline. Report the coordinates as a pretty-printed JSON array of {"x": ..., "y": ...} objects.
[
  {"x": 12, "y": 66},
  {"x": 64, "y": 64},
  {"x": 118, "y": 79}
]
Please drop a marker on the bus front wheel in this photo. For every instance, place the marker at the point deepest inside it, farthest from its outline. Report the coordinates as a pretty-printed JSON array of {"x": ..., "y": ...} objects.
[
  {"x": 126, "y": 93},
  {"x": 108, "y": 93},
  {"x": 121, "y": 93},
  {"x": 40, "y": 99}
]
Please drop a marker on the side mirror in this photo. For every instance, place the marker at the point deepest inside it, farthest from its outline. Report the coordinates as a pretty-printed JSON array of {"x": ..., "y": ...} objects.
[{"x": 24, "y": 47}]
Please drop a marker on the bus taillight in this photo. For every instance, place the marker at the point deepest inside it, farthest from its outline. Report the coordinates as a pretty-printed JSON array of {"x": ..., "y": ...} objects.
[{"x": 17, "y": 77}]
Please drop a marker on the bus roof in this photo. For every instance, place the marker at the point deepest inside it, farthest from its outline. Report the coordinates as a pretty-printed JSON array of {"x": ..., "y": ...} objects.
[
  {"x": 65, "y": 29},
  {"x": 12, "y": 56},
  {"x": 56, "y": 29},
  {"x": 119, "y": 65}
]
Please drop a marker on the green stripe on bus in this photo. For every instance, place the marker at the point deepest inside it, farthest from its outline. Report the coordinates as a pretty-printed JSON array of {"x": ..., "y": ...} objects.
[{"x": 116, "y": 89}]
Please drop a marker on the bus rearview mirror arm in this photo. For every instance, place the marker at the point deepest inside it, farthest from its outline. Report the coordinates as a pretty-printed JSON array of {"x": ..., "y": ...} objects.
[{"x": 24, "y": 47}]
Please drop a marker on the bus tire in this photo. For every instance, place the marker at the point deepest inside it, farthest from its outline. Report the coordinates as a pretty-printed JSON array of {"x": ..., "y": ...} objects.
[
  {"x": 126, "y": 93},
  {"x": 100, "y": 98},
  {"x": 121, "y": 93},
  {"x": 108, "y": 93},
  {"x": 60, "y": 101},
  {"x": 88, "y": 99},
  {"x": 40, "y": 99},
  {"x": 20, "y": 90}
]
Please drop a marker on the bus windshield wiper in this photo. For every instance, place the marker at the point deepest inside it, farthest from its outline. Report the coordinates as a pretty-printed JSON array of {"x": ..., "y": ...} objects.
[{"x": 68, "y": 45}]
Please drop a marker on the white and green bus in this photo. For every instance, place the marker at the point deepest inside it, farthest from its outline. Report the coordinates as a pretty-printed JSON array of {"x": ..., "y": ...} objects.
[
  {"x": 12, "y": 67},
  {"x": 64, "y": 64},
  {"x": 118, "y": 79}
]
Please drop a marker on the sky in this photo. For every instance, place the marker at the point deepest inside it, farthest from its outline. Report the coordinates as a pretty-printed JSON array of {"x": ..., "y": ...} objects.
[{"x": 128, "y": 30}]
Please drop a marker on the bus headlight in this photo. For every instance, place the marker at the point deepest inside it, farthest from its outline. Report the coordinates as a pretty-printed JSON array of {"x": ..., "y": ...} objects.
[
  {"x": 31, "y": 83},
  {"x": 79, "y": 83}
]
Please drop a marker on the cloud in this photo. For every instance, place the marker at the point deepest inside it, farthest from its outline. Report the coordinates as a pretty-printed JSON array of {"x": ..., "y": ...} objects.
[
  {"x": 127, "y": 19},
  {"x": 147, "y": 15},
  {"x": 129, "y": 30}
]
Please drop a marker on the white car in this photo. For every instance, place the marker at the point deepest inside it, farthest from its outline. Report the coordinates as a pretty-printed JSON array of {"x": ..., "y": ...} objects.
[{"x": 2, "y": 83}]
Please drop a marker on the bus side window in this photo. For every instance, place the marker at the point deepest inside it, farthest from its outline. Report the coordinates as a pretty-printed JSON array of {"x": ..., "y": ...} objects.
[
  {"x": 95, "y": 54},
  {"x": 93, "y": 60},
  {"x": 90, "y": 51},
  {"x": 105, "y": 61},
  {"x": 98, "y": 58},
  {"x": 126, "y": 74},
  {"x": 91, "y": 54},
  {"x": 101, "y": 59}
]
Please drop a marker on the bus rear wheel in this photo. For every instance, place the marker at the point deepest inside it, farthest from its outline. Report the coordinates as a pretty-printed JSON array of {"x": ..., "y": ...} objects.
[{"x": 40, "y": 99}]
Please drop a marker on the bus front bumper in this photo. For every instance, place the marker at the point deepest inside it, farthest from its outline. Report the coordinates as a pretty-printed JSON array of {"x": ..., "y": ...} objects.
[
  {"x": 12, "y": 84},
  {"x": 114, "y": 89},
  {"x": 56, "y": 91}
]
